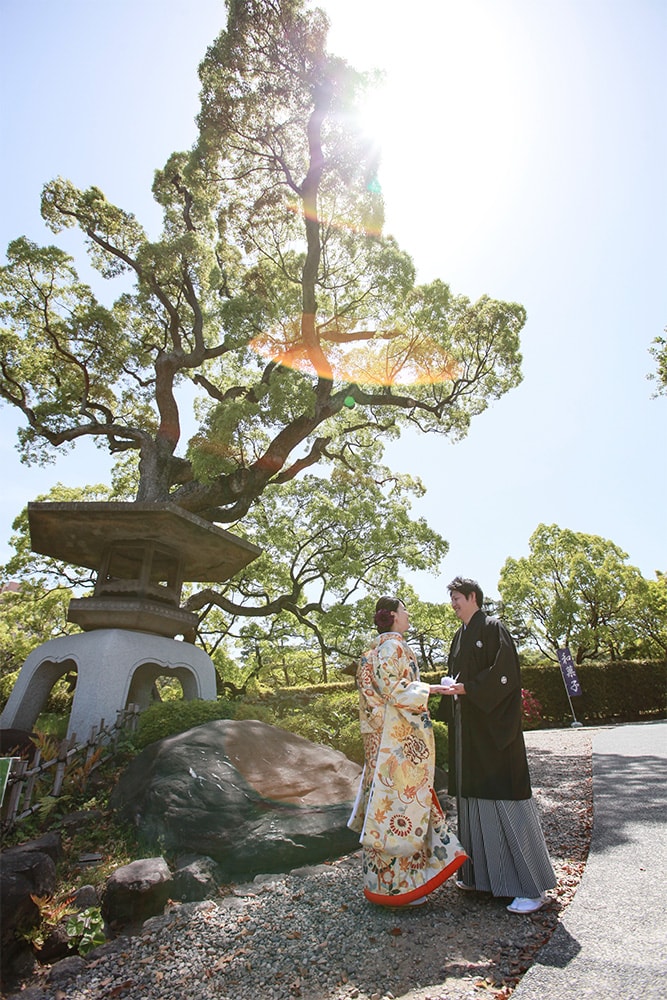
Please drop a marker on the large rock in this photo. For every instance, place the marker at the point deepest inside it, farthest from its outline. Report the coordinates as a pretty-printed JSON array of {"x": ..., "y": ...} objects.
[
  {"x": 25, "y": 871},
  {"x": 253, "y": 797}
]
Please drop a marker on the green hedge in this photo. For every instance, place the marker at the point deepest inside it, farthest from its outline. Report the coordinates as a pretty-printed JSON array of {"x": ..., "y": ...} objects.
[
  {"x": 619, "y": 691},
  {"x": 324, "y": 713},
  {"x": 624, "y": 691},
  {"x": 166, "y": 718}
]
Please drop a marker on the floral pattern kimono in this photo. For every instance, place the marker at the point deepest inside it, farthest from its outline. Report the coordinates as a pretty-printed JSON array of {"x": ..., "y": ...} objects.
[{"x": 407, "y": 849}]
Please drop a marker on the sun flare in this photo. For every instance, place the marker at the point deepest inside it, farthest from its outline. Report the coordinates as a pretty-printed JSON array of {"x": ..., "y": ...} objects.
[{"x": 451, "y": 121}]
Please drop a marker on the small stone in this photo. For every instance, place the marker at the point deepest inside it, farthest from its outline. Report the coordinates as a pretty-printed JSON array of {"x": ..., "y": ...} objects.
[{"x": 66, "y": 969}]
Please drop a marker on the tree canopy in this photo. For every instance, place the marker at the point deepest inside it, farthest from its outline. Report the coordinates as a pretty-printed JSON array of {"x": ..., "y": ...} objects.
[
  {"x": 274, "y": 306},
  {"x": 271, "y": 289},
  {"x": 577, "y": 590}
]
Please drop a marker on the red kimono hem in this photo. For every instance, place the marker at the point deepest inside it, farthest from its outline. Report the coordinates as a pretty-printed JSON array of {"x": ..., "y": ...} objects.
[{"x": 405, "y": 898}]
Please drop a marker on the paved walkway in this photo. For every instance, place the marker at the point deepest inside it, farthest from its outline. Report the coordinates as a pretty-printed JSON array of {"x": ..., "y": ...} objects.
[{"x": 612, "y": 942}]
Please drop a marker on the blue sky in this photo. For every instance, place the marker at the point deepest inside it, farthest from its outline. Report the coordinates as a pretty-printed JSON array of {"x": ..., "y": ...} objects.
[{"x": 525, "y": 157}]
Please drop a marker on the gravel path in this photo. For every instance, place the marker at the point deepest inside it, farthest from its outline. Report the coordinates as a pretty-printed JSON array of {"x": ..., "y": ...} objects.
[{"x": 311, "y": 934}]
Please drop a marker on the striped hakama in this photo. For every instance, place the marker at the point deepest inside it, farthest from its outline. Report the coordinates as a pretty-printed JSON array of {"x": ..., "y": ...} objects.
[{"x": 506, "y": 840}]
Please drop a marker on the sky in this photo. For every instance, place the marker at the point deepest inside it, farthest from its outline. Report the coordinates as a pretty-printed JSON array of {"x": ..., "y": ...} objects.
[{"x": 524, "y": 157}]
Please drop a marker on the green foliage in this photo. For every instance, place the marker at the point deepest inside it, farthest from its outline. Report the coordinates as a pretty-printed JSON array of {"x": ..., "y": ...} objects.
[
  {"x": 273, "y": 291},
  {"x": 440, "y": 734},
  {"x": 331, "y": 719},
  {"x": 432, "y": 629},
  {"x": 7, "y": 682},
  {"x": 61, "y": 695},
  {"x": 86, "y": 929},
  {"x": 647, "y": 612},
  {"x": 326, "y": 714},
  {"x": 626, "y": 691},
  {"x": 52, "y": 724},
  {"x": 658, "y": 351},
  {"x": 169, "y": 689},
  {"x": 315, "y": 566},
  {"x": 164, "y": 719},
  {"x": 573, "y": 590},
  {"x": 254, "y": 710},
  {"x": 271, "y": 250}
]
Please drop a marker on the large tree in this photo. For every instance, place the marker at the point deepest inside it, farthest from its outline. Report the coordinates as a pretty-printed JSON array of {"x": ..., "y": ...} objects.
[
  {"x": 326, "y": 544},
  {"x": 574, "y": 590},
  {"x": 648, "y": 613},
  {"x": 271, "y": 293}
]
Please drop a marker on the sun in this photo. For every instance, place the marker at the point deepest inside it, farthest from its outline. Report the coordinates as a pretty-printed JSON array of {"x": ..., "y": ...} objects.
[{"x": 451, "y": 119}]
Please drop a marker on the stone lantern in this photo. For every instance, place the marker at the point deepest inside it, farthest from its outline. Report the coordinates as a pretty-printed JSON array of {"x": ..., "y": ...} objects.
[{"x": 142, "y": 554}]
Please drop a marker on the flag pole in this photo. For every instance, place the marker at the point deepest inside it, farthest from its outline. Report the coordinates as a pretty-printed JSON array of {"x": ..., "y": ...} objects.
[
  {"x": 575, "y": 724},
  {"x": 570, "y": 680}
]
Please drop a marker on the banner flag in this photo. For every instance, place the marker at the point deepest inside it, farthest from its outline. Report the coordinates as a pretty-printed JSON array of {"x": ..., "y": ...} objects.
[{"x": 570, "y": 678}]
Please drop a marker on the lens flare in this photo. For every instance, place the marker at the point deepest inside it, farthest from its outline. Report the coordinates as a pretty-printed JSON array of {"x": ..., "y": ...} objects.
[
  {"x": 370, "y": 222},
  {"x": 362, "y": 358}
]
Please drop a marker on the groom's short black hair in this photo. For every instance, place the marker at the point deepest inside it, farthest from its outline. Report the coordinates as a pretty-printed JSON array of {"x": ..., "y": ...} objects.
[{"x": 466, "y": 586}]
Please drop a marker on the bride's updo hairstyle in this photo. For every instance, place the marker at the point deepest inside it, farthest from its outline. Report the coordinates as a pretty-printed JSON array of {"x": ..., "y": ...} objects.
[{"x": 384, "y": 618}]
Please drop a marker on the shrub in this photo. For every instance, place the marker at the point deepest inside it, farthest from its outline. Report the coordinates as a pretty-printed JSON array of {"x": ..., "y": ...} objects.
[
  {"x": 531, "y": 710},
  {"x": 251, "y": 710},
  {"x": 61, "y": 696},
  {"x": 351, "y": 743},
  {"x": 167, "y": 718},
  {"x": 440, "y": 734},
  {"x": 52, "y": 724},
  {"x": 325, "y": 714},
  {"x": 621, "y": 690},
  {"x": 86, "y": 929},
  {"x": 330, "y": 718}
]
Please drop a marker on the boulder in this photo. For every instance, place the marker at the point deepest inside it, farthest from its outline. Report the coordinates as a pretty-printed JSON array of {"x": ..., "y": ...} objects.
[
  {"x": 22, "y": 968},
  {"x": 48, "y": 843},
  {"x": 66, "y": 969},
  {"x": 84, "y": 897},
  {"x": 194, "y": 879},
  {"x": 24, "y": 871},
  {"x": 136, "y": 891},
  {"x": 253, "y": 797}
]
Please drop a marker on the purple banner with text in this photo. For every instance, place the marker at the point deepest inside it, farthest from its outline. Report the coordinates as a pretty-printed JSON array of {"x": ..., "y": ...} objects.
[{"x": 569, "y": 673}]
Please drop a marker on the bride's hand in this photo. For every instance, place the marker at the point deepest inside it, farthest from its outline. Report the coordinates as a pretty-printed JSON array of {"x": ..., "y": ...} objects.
[{"x": 452, "y": 689}]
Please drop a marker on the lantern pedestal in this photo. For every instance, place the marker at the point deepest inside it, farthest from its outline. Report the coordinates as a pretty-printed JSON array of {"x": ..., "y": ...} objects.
[{"x": 142, "y": 554}]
